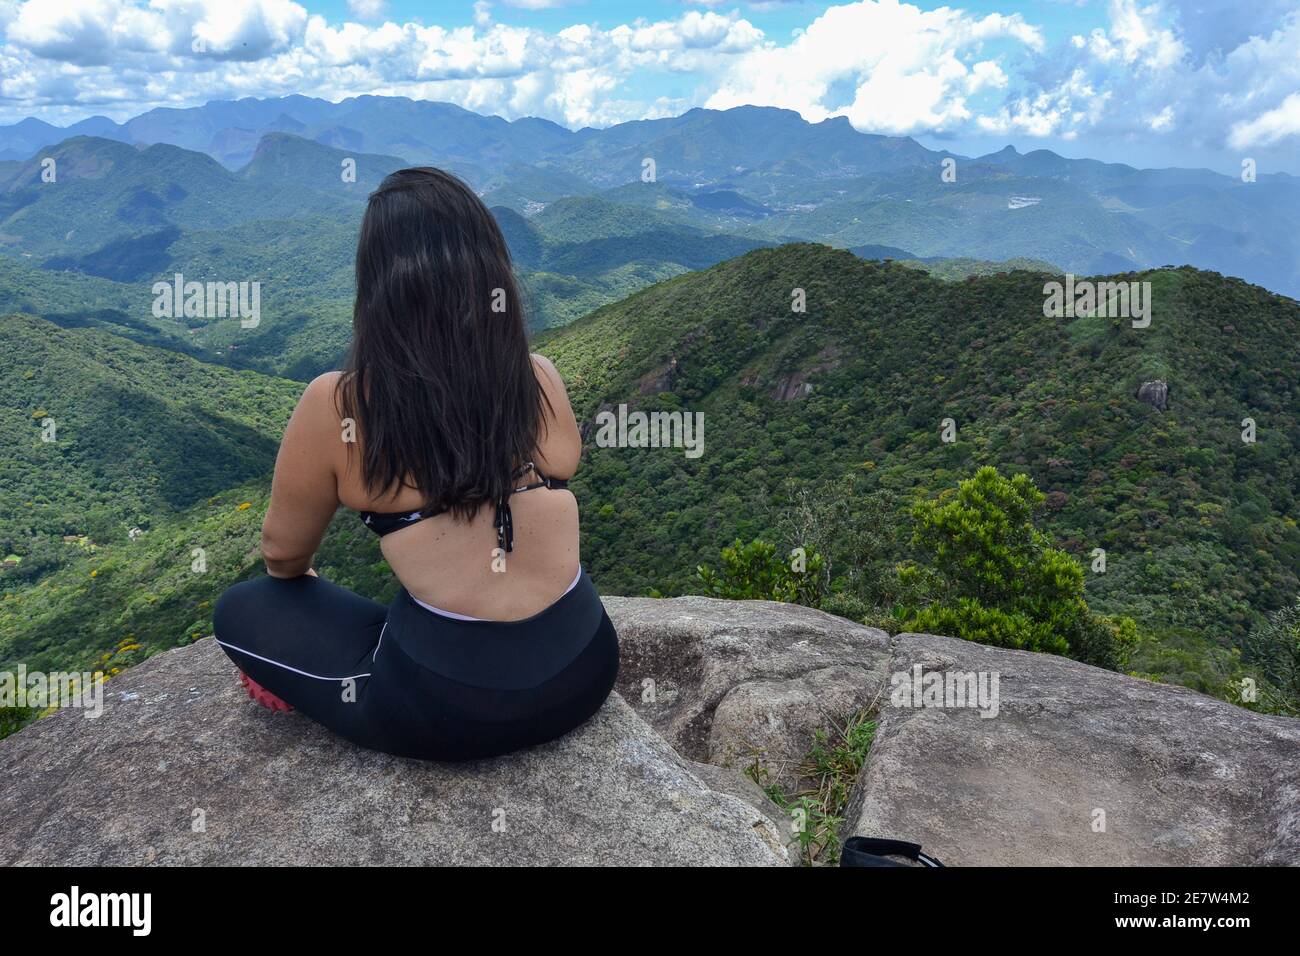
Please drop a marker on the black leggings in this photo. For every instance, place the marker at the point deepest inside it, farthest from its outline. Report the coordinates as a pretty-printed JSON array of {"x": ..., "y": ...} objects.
[{"x": 411, "y": 682}]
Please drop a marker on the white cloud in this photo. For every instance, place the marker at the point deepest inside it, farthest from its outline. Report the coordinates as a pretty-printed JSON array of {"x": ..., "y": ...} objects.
[
  {"x": 907, "y": 70},
  {"x": 145, "y": 53},
  {"x": 1269, "y": 127},
  {"x": 238, "y": 29},
  {"x": 985, "y": 74},
  {"x": 1138, "y": 37},
  {"x": 84, "y": 32},
  {"x": 100, "y": 32},
  {"x": 1140, "y": 77},
  {"x": 1058, "y": 111},
  {"x": 692, "y": 31},
  {"x": 367, "y": 9},
  {"x": 538, "y": 4}
]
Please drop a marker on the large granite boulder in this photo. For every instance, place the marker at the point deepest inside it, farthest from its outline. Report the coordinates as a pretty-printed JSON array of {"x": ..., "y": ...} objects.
[
  {"x": 1079, "y": 766},
  {"x": 181, "y": 768},
  {"x": 729, "y": 682}
]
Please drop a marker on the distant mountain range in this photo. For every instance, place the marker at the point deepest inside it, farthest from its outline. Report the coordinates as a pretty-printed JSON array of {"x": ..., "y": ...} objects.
[
  {"x": 758, "y": 175},
  {"x": 429, "y": 132}
]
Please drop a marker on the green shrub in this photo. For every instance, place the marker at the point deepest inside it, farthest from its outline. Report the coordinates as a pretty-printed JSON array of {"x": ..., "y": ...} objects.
[
  {"x": 1274, "y": 651},
  {"x": 998, "y": 579},
  {"x": 1104, "y": 641},
  {"x": 995, "y": 579},
  {"x": 755, "y": 572}
]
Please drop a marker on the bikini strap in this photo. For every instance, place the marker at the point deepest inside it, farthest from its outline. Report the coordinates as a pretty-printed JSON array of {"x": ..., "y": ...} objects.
[
  {"x": 542, "y": 482},
  {"x": 504, "y": 520}
]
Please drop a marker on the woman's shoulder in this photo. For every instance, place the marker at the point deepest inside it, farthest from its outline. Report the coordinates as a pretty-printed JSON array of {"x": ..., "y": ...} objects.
[
  {"x": 326, "y": 381},
  {"x": 319, "y": 412},
  {"x": 546, "y": 367},
  {"x": 561, "y": 441},
  {"x": 322, "y": 393}
]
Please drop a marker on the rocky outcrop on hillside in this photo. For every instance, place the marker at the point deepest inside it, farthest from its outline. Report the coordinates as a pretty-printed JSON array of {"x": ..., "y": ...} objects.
[
  {"x": 183, "y": 769},
  {"x": 1155, "y": 394}
]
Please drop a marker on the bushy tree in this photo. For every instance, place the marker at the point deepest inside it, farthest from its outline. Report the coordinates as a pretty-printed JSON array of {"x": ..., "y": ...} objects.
[
  {"x": 44, "y": 555},
  {"x": 755, "y": 571},
  {"x": 1274, "y": 649},
  {"x": 1103, "y": 640},
  {"x": 13, "y": 719},
  {"x": 994, "y": 577},
  {"x": 857, "y": 533}
]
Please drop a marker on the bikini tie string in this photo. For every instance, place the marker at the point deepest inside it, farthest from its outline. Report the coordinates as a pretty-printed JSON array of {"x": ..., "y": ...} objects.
[{"x": 505, "y": 527}]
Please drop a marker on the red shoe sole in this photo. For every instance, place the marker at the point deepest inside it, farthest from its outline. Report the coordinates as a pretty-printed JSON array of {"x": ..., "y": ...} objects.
[{"x": 260, "y": 695}]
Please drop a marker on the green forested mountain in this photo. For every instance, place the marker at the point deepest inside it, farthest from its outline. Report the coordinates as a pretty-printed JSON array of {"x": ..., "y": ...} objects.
[
  {"x": 145, "y": 440},
  {"x": 982, "y": 210},
  {"x": 87, "y": 604},
  {"x": 128, "y": 204},
  {"x": 1199, "y": 527},
  {"x": 954, "y": 269},
  {"x": 78, "y": 299},
  {"x": 137, "y": 433},
  {"x": 580, "y": 253},
  {"x": 281, "y": 157},
  {"x": 121, "y": 218}
]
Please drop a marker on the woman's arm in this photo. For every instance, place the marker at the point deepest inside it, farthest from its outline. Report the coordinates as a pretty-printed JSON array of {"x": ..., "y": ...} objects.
[
  {"x": 304, "y": 492},
  {"x": 561, "y": 442}
]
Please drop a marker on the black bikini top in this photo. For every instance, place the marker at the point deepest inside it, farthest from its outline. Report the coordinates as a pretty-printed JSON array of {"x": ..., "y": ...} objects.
[{"x": 383, "y": 523}]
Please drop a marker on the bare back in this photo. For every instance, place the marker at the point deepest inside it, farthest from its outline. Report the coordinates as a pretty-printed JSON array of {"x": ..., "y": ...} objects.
[{"x": 448, "y": 563}]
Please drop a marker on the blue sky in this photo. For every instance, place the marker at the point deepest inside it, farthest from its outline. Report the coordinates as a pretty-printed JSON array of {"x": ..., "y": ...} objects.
[{"x": 1149, "y": 82}]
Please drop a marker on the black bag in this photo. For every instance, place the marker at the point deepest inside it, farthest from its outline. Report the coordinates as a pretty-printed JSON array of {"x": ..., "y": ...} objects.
[{"x": 865, "y": 851}]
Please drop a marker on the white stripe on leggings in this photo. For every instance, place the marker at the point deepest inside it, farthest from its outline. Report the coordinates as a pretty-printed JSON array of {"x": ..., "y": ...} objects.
[
  {"x": 287, "y": 667},
  {"x": 487, "y": 620}
]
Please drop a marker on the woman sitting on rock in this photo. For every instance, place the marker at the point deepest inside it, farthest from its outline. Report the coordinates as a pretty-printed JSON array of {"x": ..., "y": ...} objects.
[{"x": 454, "y": 445}]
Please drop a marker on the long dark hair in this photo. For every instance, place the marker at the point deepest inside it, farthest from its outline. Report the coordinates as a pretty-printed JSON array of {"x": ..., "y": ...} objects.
[{"x": 441, "y": 386}]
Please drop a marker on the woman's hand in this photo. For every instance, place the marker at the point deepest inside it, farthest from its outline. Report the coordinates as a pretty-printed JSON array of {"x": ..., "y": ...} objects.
[{"x": 288, "y": 570}]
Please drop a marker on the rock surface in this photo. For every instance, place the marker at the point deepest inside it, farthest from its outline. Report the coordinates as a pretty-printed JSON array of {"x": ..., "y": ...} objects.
[
  {"x": 178, "y": 739},
  {"x": 1155, "y": 394},
  {"x": 1182, "y": 778},
  {"x": 724, "y": 681}
]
